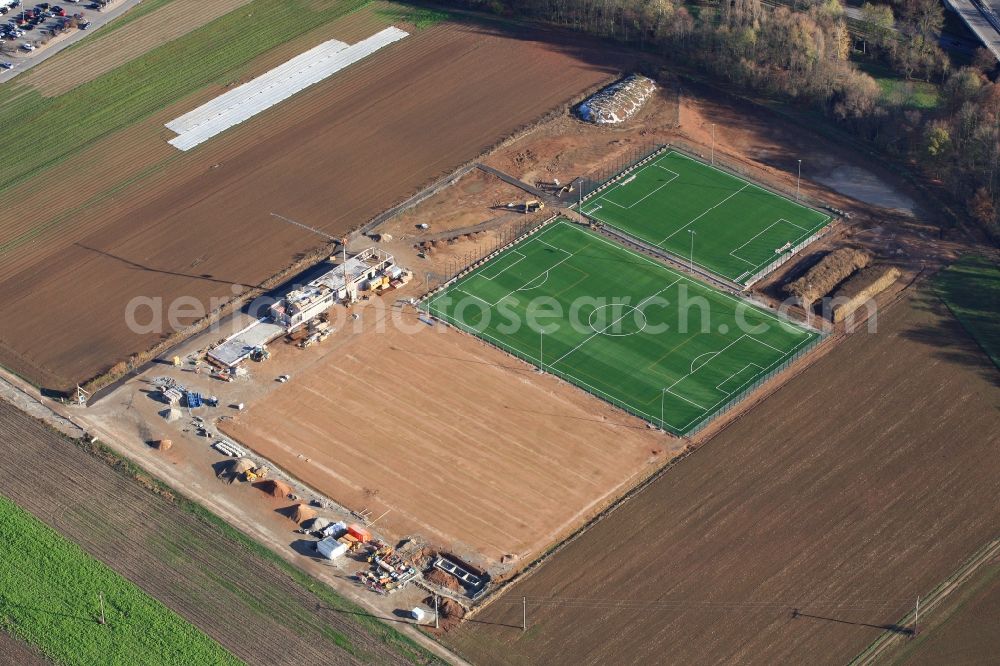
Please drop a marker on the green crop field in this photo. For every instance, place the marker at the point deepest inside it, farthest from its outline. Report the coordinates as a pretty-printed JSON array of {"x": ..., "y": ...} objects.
[
  {"x": 971, "y": 289},
  {"x": 698, "y": 213},
  {"x": 44, "y": 131},
  {"x": 624, "y": 327},
  {"x": 49, "y": 597}
]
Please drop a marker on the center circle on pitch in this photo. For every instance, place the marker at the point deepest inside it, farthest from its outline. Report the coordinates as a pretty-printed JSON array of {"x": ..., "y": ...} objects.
[{"x": 617, "y": 321}]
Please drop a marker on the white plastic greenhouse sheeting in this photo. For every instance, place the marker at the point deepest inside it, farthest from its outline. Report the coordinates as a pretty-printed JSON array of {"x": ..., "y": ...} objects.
[{"x": 273, "y": 87}]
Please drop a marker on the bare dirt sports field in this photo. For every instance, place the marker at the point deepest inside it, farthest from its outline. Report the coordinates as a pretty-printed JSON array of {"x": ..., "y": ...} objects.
[
  {"x": 141, "y": 219},
  {"x": 464, "y": 446},
  {"x": 247, "y": 603},
  {"x": 861, "y": 483}
]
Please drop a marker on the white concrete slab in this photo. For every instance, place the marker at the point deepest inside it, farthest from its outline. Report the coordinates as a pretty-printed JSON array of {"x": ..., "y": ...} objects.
[{"x": 273, "y": 87}]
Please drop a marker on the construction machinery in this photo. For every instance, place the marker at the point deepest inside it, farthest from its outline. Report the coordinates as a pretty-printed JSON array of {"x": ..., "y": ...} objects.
[
  {"x": 255, "y": 474},
  {"x": 260, "y": 354},
  {"x": 530, "y": 206}
]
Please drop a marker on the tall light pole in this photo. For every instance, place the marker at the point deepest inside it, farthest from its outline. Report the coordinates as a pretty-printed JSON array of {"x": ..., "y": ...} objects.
[
  {"x": 663, "y": 394},
  {"x": 713, "y": 144},
  {"x": 541, "y": 337},
  {"x": 798, "y": 181},
  {"x": 691, "y": 256}
]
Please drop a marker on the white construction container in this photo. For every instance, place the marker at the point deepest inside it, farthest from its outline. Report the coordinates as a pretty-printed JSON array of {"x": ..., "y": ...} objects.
[{"x": 330, "y": 548}]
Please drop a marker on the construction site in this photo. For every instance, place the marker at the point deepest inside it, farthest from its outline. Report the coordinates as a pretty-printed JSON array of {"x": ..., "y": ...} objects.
[{"x": 437, "y": 473}]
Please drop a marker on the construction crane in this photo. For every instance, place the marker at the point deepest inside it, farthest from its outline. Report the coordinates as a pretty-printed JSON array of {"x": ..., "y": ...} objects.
[{"x": 341, "y": 240}]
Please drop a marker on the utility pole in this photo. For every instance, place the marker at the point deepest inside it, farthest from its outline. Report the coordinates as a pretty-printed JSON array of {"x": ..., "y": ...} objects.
[
  {"x": 798, "y": 180},
  {"x": 437, "y": 623},
  {"x": 916, "y": 617},
  {"x": 524, "y": 613},
  {"x": 101, "y": 596},
  {"x": 541, "y": 362}
]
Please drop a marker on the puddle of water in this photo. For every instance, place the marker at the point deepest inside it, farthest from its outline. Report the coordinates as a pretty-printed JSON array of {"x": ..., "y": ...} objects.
[{"x": 865, "y": 186}]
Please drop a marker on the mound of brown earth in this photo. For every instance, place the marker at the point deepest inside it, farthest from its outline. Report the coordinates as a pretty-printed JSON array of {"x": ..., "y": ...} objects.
[
  {"x": 443, "y": 579},
  {"x": 274, "y": 488},
  {"x": 301, "y": 513}
]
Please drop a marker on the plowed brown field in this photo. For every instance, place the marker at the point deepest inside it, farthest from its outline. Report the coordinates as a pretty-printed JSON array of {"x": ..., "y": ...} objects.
[
  {"x": 13, "y": 651},
  {"x": 189, "y": 225},
  {"x": 245, "y": 602},
  {"x": 858, "y": 485}
]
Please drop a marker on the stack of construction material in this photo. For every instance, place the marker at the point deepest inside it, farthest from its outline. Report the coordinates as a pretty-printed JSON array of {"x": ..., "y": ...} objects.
[
  {"x": 866, "y": 284},
  {"x": 823, "y": 278},
  {"x": 618, "y": 102}
]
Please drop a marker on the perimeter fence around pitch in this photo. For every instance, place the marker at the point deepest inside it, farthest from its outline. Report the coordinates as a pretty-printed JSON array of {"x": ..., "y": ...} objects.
[
  {"x": 735, "y": 399},
  {"x": 527, "y": 232},
  {"x": 638, "y": 157},
  {"x": 462, "y": 265}
]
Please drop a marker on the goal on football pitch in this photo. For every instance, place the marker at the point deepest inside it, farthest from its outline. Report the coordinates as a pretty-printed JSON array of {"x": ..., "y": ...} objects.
[
  {"x": 705, "y": 216},
  {"x": 644, "y": 337}
]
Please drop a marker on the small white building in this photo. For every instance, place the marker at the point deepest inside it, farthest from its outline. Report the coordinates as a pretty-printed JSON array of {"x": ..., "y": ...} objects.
[{"x": 330, "y": 548}]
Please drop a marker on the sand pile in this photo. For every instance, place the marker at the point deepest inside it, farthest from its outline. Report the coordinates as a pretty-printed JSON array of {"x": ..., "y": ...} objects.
[
  {"x": 302, "y": 512},
  {"x": 618, "y": 102},
  {"x": 275, "y": 488}
]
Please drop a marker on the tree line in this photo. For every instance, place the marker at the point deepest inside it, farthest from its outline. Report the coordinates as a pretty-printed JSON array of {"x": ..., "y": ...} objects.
[{"x": 800, "y": 51}]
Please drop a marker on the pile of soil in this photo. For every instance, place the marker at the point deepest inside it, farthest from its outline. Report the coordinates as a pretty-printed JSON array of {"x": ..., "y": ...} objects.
[
  {"x": 443, "y": 579},
  {"x": 831, "y": 270},
  {"x": 163, "y": 444},
  {"x": 618, "y": 102},
  {"x": 242, "y": 466},
  {"x": 274, "y": 488},
  {"x": 451, "y": 612},
  {"x": 301, "y": 513}
]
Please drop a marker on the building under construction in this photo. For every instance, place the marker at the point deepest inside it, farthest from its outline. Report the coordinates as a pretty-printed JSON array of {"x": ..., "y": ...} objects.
[{"x": 370, "y": 270}]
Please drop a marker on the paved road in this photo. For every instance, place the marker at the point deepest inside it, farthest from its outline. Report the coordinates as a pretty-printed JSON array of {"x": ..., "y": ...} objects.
[
  {"x": 24, "y": 61},
  {"x": 948, "y": 42},
  {"x": 982, "y": 20}
]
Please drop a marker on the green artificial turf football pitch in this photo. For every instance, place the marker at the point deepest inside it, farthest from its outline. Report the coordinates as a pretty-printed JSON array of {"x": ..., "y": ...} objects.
[
  {"x": 704, "y": 215},
  {"x": 644, "y": 337}
]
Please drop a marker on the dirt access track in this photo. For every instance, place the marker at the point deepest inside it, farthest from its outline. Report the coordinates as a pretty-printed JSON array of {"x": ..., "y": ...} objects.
[
  {"x": 142, "y": 220},
  {"x": 861, "y": 483},
  {"x": 464, "y": 446},
  {"x": 245, "y": 602}
]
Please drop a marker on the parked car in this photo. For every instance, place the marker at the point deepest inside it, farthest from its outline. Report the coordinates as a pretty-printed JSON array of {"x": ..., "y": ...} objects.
[
  {"x": 7, "y": 65},
  {"x": 28, "y": 46}
]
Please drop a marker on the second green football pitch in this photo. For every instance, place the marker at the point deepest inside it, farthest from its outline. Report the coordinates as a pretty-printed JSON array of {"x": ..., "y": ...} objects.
[
  {"x": 624, "y": 327},
  {"x": 704, "y": 215}
]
